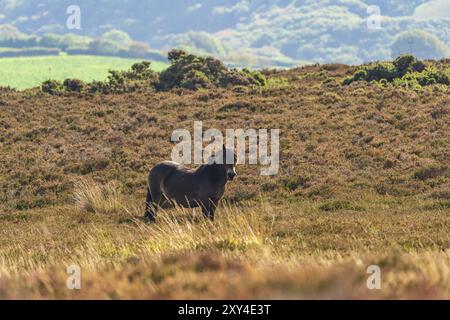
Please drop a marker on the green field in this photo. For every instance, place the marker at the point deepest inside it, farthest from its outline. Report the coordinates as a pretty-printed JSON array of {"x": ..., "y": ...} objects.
[{"x": 28, "y": 72}]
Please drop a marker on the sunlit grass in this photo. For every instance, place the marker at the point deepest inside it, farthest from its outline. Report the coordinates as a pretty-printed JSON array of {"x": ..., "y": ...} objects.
[
  {"x": 28, "y": 72},
  {"x": 93, "y": 197},
  {"x": 290, "y": 251}
]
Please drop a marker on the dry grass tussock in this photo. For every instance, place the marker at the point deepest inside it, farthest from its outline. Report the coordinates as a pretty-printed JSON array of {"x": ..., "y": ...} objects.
[
  {"x": 178, "y": 228},
  {"x": 93, "y": 197}
]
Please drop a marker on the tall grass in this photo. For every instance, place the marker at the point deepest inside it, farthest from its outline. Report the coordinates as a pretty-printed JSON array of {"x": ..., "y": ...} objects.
[
  {"x": 180, "y": 229},
  {"x": 235, "y": 232},
  {"x": 93, "y": 197},
  {"x": 239, "y": 255}
]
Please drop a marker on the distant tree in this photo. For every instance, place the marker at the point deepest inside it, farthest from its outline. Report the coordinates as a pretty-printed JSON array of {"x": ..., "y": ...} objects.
[
  {"x": 138, "y": 49},
  {"x": 11, "y": 37},
  {"x": 8, "y": 31},
  {"x": 104, "y": 46},
  {"x": 51, "y": 40},
  {"x": 74, "y": 41},
  {"x": 204, "y": 42},
  {"x": 421, "y": 44},
  {"x": 117, "y": 36}
]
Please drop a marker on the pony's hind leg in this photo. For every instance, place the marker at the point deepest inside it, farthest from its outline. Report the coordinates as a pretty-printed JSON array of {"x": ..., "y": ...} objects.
[
  {"x": 154, "y": 200},
  {"x": 150, "y": 207},
  {"x": 212, "y": 208}
]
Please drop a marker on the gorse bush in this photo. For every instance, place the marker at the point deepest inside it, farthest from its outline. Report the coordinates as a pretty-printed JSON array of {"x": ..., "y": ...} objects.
[
  {"x": 407, "y": 63},
  {"x": 186, "y": 71},
  {"x": 138, "y": 78},
  {"x": 257, "y": 76},
  {"x": 52, "y": 87},
  {"x": 192, "y": 72},
  {"x": 74, "y": 85},
  {"x": 381, "y": 71},
  {"x": 405, "y": 70},
  {"x": 427, "y": 77}
]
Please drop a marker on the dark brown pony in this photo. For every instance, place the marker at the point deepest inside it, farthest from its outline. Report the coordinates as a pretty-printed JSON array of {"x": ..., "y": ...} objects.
[{"x": 203, "y": 187}]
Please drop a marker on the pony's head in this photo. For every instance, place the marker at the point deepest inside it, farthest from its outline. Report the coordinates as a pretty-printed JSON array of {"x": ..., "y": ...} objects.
[{"x": 226, "y": 158}]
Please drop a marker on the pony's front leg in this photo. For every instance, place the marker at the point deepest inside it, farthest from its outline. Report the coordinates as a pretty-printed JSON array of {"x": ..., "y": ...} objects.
[
  {"x": 150, "y": 212},
  {"x": 205, "y": 210},
  {"x": 209, "y": 209}
]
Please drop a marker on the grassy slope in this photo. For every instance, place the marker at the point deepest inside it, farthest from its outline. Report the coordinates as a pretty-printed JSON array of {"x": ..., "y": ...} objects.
[
  {"x": 28, "y": 72},
  {"x": 364, "y": 180}
]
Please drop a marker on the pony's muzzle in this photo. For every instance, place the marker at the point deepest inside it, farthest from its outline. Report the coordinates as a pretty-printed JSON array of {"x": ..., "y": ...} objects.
[{"x": 231, "y": 175}]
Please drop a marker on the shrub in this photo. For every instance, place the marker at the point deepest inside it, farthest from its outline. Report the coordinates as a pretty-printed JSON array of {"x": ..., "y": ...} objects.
[
  {"x": 408, "y": 63},
  {"x": 403, "y": 64},
  {"x": 74, "y": 85},
  {"x": 234, "y": 79},
  {"x": 348, "y": 80},
  {"x": 187, "y": 71},
  {"x": 383, "y": 82},
  {"x": 381, "y": 70},
  {"x": 7, "y": 89},
  {"x": 427, "y": 77},
  {"x": 257, "y": 76},
  {"x": 139, "y": 77},
  {"x": 141, "y": 71},
  {"x": 406, "y": 70},
  {"x": 98, "y": 87},
  {"x": 194, "y": 80},
  {"x": 138, "y": 71},
  {"x": 52, "y": 87},
  {"x": 361, "y": 74},
  {"x": 194, "y": 72},
  {"x": 432, "y": 76}
]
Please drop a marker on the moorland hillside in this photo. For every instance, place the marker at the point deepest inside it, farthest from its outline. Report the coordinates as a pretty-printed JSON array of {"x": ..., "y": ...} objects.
[{"x": 364, "y": 180}]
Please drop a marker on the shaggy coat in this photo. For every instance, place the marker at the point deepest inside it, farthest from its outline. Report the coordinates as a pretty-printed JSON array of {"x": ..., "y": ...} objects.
[{"x": 203, "y": 187}]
